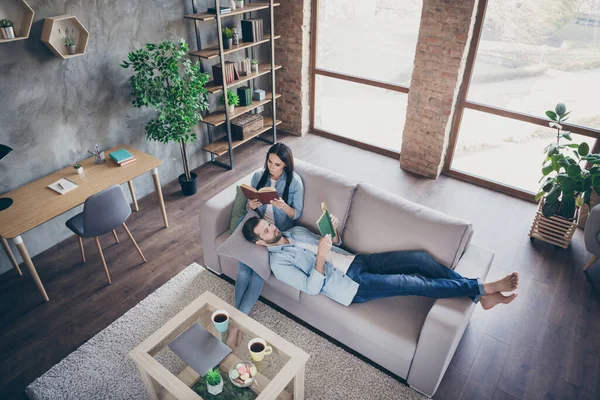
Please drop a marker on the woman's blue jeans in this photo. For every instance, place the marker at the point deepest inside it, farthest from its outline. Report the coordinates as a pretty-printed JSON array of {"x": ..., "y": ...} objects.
[
  {"x": 248, "y": 285},
  {"x": 408, "y": 273}
]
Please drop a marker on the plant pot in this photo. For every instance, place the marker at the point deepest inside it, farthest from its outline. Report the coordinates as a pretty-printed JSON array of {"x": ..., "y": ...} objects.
[
  {"x": 554, "y": 230},
  {"x": 239, "y": 3},
  {"x": 255, "y": 68},
  {"x": 190, "y": 187},
  {"x": 216, "y": 389},
  {"x": 70, "y": 49},
  {"x": 231, "y": 109},
  {"x": 79, "y": 170},
  {"x": 227, "y": 43},
  {"x": 7, "y": 33}
]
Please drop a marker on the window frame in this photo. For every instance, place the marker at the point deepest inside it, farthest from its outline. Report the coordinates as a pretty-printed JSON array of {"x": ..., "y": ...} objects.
[
  {"x": 344, "y": 77},
  {"x": 463, "y": 103}
]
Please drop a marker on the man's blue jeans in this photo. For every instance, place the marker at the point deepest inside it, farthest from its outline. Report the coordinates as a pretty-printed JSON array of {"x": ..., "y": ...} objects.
[
  {"x": 408, "y": 273},
  {"x": 248, "y": 285}
]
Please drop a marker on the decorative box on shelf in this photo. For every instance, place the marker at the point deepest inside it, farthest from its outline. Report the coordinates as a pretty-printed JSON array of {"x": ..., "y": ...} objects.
[
  {"x": 245, "y": 95},
  {"x": 259, "y": 94},
  {"x": 246, "y": 125}
]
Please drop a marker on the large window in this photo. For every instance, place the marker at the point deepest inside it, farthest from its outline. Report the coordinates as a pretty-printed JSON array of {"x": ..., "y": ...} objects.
[
  {"x": 531, "y": 55},
  {"x": 363, "y": 64}
]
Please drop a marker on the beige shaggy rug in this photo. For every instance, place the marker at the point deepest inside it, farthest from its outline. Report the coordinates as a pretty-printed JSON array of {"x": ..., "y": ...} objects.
[{"x": 101, "y": 368}]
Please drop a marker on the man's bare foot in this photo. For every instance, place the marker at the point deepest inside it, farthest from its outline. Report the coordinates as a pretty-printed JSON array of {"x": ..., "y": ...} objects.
[
  {"x": 506, "y": 284},
  {"x": 490, "y": 301}
]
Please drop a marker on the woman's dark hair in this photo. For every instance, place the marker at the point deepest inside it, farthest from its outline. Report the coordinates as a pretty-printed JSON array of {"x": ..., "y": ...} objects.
[
  {"x": 285, "y": 153},
  {"x": 248, "y": 229}
]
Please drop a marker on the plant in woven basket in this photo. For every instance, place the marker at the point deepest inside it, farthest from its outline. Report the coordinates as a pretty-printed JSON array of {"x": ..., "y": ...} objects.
[
  {"x": 567, "y": 183},
  {"x": 167, "y": 81}
]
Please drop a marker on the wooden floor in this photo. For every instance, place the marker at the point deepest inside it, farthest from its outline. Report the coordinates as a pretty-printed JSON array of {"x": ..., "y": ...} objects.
[{"x": 544, "y": 346}]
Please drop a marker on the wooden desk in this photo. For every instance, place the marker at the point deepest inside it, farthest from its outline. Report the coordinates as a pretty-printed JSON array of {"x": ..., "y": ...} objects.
[{"x": 35, "y": 203}]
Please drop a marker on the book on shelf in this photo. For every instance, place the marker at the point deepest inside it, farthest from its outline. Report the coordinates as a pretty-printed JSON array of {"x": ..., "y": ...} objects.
[
  {"x": 264, "y": 195},
  {"x": 231, "y": 73},
  {"x": 252, "y": 30},
  {"x": 63, "y": 186},
  {"x": 324, "y": 223},
  {"x": 213, "y": 10}
]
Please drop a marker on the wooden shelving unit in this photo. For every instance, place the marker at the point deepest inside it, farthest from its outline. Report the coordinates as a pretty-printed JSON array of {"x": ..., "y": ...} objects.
[
  {"x": 258, "y": 5},
  {"x": 219, "y": 118},
  {"x": 221, "y": 146},
  {"x": 19, "y": 12},
  {"x": 213, "y": 52},
  {"x": 225, "y": 145},
  {"x": 263, "y": 69},
  {"x": 54, "y": 40}
]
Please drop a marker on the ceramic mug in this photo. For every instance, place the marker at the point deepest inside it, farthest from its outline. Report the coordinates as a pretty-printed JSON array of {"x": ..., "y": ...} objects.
[
  {"x": 258, "y": 349},
  {"x": 220, "y": 319}
]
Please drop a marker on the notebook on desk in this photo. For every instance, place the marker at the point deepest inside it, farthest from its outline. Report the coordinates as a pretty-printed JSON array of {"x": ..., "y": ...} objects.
[{"x": 62, "y": 186}]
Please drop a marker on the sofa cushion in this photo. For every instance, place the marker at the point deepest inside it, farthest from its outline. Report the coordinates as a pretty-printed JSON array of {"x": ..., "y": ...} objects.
[
  {"x": 396, "y": 322},
  {"x": 380, "y": 221},
  {"x": 229, "y": 268},
  {"x": 239, "y": 209},
  {"x": 254, "y": 256},
  {"x": 322, "y": 185}
]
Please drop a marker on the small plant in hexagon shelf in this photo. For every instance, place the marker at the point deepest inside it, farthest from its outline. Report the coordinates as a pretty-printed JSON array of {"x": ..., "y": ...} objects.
[
  {"x": 214, "y": 381},
  {"x": 6, "y": 29},
  {"x": 68, "y": 39}
]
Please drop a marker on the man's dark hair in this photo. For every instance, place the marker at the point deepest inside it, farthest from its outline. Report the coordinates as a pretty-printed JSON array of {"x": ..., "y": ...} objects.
[{"x": 248, "y": 229}]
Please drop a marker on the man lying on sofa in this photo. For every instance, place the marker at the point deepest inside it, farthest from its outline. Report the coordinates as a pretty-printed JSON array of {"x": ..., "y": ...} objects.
[{"x": 309, "y": 263}]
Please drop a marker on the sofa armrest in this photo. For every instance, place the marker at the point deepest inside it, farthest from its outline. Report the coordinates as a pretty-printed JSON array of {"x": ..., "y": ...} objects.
[
  {"x": 215, "y": 216},
  {"x": 444, "y": 326},
  {"x": 590, "y": 233}
]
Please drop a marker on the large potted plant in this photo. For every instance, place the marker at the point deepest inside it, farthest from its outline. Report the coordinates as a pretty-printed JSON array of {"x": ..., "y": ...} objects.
[
  {"x": 567, "y": 184},
  {"x": 166, "y": 80}
]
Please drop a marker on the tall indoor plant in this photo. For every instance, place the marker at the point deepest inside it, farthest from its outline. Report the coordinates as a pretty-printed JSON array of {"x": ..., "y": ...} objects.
[
  {"x": 567, "y": 181},
  {"x": 166, "y": 80}
]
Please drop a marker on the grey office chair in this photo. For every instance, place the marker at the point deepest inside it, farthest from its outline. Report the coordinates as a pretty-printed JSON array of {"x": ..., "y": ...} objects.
[
  {"x": 102, "y": 213},
  {"x": 591, "y": 236}
]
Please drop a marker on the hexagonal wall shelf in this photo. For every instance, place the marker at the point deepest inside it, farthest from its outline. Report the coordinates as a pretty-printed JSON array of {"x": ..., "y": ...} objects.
[
  {"x": 20, "y": 14},
  {"x": 55, "y": 39}
]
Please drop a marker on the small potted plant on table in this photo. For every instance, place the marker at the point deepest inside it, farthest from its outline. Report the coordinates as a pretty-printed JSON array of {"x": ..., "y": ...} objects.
[
  {"x": 567, "y": 184},
  {"x": 232, "y": 100},
  {"x": 214, "y": 382},
  {"x": 254, "y": 64},
  {"x": 227, "y": 38},
  {"x": 6, "y": 29},
  {"x": 78, "y": 168}
]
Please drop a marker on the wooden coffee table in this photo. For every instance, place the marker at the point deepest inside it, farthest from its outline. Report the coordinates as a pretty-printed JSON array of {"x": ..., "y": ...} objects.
[{"x": 275, "y": 372}]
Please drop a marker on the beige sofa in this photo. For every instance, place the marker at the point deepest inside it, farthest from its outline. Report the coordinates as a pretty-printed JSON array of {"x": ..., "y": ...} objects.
[{"x": 413, "y": 337}]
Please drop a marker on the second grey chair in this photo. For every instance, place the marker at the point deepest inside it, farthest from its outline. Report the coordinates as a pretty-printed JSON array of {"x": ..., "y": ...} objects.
[{"x": 102, "y": 213}]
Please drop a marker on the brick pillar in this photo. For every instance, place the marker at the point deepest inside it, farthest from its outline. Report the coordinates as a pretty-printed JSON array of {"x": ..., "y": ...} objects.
[
  {"x": 444, "y": 36},
  {"x": 292, "y": 51}
]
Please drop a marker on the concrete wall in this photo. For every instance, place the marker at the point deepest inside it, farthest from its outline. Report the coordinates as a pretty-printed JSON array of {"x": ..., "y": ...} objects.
[{"x": 53, "y": 110}]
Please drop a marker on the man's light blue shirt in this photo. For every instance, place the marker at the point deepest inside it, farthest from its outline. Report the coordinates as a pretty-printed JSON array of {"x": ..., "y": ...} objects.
[{"x": 294, "y": 265}]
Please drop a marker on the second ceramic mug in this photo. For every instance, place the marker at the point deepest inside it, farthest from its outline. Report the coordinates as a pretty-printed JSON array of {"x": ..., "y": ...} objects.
[
  {"x": 220, "y": 319},
  {"x": 258, "y": 349}
]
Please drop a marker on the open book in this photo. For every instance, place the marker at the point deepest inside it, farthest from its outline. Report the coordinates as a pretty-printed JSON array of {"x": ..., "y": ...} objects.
[
  {"x": 324, "y": 223},
  {"x": 264, "y": 195}
]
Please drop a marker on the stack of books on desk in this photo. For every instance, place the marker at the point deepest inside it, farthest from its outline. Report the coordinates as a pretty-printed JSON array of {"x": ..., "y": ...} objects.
[{"x": 122, "y": 157}]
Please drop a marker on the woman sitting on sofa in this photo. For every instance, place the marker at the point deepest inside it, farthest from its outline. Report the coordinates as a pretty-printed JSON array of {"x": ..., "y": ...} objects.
[{"x": 279, "y": 173}]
